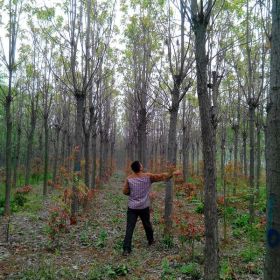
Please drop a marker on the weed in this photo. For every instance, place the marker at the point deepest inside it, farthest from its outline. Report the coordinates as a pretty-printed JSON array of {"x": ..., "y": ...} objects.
[
  {"x": 166, "y": 269},
  {"x": 98, "y": 272},
  {"x": 102, "y": 238},
  {"x": 168, "y": 241},
  {"x": 191, "y": 269},
  {"x": 249, "y": 254},
  {"x": 199, "y": 208},
  {"x": 225, "y": 270},
  {"x": 84, "y": 238}
]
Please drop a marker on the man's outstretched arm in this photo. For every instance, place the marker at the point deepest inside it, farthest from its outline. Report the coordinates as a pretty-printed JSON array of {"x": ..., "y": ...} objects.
[
  {"x": 160, "y": 177},
  {"x": 126, "y": 188}
]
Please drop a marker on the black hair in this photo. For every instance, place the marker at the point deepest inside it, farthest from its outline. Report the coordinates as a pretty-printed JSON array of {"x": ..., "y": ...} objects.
[{"x": 136, "y": 166}]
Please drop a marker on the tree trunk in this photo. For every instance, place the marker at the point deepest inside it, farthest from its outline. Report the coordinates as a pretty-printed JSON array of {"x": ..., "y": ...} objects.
[
  {"x": 272, "y": 258},
  {"x": 8, "y": 103},
  {"x": 93, "y": 145},
  {"x": 197, "y": 157},
  {"x": 17, "y": 154},
  {"x": 80, "y": 99},
  {"x": 171, "y": 158},
  {"x": 252, "y": 163},
  {"x": 142, "y": 137},
  {"x": 245, "y": 169},
  {"x": 258, "y": 168},
  {"x": 101, "y": 151},
  {"x": 235, "y": 154},
  {"x": 56, "y": 153},
  {"x": 208, "y": 148},
  {"x": 185, "y": 148},
  {"x": 46, "y": 155},
  {"x": 223, "y": 153},
  {"x": 86, "y": 155},
  {"x": 29, "y": 151}
]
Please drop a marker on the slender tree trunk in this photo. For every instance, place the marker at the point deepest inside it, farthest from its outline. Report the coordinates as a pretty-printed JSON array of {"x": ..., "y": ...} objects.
[
  {"x": 93, "y": 145},
  {"x": 193, "y": 158},
  {"x": 223, "y": 153},
  {"x": 86, "y": 155},
  {"x": 64, "y": 133},
  {"x": 101, "y": 151},
  {"x": 56, "y": 153},
  {"x": 258, "y": 168},
  {"x": 244, "y": 137},
  {"x": 252, "y": 163},
  {"x": 272, "y": 257},
  {"x": 171, "y": 158},
  {"x": 235, "y": 154},
  {"x": 8, "y": 103},
  {"x": 197, "y": 157},
  {"x": 17, "y": 154},
  {"x": 142, "y": 137},
  {"x": 46, "y": 155},
  {"x": 80, "y": 99},
  {"x": 208, "y": 147},
  {"x": 29, "y": 151},
  {"x": 185, "y": 148}
]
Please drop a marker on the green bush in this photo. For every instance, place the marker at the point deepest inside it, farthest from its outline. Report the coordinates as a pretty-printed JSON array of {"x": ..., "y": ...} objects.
[
  {"x": 225, "y": 270},
  {"x": 241, "y": 221},
  {"x": 98, "y": 272},
  {"x": 20, "y": 199},
  {"x": 168, "y": 241},
  {"x": 102, "y": 238},
  {"x": 191, "y": 269},
  {"x": 199, "y": 208}
]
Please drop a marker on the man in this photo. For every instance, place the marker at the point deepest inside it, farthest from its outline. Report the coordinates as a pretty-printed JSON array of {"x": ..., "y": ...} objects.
[{"x": 137, "y": 186}]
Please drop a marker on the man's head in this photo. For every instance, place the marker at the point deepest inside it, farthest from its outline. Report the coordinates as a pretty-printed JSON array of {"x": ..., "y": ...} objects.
[{"x": 136, "y": 166}]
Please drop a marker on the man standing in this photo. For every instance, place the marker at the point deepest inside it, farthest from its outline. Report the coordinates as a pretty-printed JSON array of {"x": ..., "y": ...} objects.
[{"x": 137, "y": 186}]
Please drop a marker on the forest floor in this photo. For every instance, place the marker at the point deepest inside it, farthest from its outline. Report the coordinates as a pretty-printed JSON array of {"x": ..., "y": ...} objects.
[{"x": 92, "y": 249}]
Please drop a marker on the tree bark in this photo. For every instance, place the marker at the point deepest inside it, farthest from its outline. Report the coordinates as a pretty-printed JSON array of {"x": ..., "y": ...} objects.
[
  {"x": 272, "y": 258},
  {"x": 200, "y": 21},
  {"x": 258, "y": 154},
  {"x": 252, "y": 162},
  {"x": 171, "y": 158},
  {"x": 17, "y": 154},
  {"x": 86, "y": 155},
  {"x": 80, "y": 100},
  {"x": 8, "y": 103},
  {"x": 29, "y": 151},
  {"x": 93, "y": 147},
  {"x": 46, "y": 155},
  {"x": 245, "y": 168},
  {"x": 56, "y": 153}
]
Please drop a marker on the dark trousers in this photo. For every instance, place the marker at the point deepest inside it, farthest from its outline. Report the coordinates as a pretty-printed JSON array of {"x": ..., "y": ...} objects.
[{"x": 132, "y": 215}]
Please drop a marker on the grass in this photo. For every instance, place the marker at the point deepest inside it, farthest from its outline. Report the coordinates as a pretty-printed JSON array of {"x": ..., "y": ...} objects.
[{"x": 101, "y": 236}]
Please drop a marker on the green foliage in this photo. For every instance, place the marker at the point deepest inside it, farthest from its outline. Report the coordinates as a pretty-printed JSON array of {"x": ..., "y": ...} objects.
[
  {"x": 166, "y": 269},
  {"x": 168, "y": 241},
  {"x": 225, "y": 270},
  {"x": 20, "y": 199},
  {"x": 102, "y": 238},
  {"x": 199, "y": 208},
  {"x": 249, "y": 254},
  {"x": 84, "y": 238},
  {"x": 98, "y": 272},
  {"x": 241, "y": 221},
  {"x": 191, "y": 269},
  {"x": 47, "y": 271},
  {"x": 44, "y": 14}
]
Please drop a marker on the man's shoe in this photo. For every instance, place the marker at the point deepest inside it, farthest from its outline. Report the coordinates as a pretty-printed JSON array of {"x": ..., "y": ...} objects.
[
  {"x": 151, "y": 242},
  {"x": 126, "y": 253}
]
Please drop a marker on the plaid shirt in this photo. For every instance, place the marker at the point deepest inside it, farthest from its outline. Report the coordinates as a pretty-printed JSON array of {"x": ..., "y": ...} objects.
[{"x": 138, "y": 188}]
